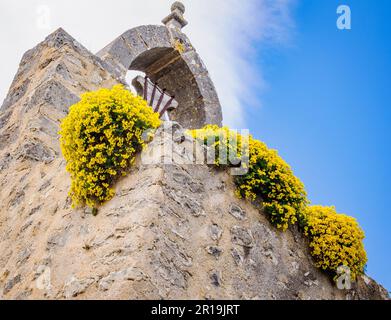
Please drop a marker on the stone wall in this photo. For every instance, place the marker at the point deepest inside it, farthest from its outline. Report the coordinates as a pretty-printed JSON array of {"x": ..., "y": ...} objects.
[
  {"x": 154, "y": 50},
  {"x": 172, "y": 230}
]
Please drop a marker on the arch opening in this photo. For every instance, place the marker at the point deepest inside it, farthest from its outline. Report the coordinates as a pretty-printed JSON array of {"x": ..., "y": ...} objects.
[
  {"x": 167, "y": 68},
  {"x": 167, "y": 57}
]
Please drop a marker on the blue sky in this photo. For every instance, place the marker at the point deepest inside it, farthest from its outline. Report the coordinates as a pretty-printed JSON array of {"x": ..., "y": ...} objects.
[{"x": 327, "y": 110}]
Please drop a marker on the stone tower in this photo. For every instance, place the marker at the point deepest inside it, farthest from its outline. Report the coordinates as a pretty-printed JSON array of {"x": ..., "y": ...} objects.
[
  {"x": 167, "y": 57},
  {"x": 172, "y": 231}
]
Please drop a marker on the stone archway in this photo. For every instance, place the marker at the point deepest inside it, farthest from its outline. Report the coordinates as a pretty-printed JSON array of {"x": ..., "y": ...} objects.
[{"x": 167, "y": 57}]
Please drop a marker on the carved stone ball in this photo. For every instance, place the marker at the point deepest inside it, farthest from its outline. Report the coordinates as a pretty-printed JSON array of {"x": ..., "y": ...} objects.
[{"x": 177, "y": 5}]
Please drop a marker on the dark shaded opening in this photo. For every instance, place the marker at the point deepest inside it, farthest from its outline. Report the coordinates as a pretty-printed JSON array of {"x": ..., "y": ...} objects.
[{"x": 167, "y": 67}]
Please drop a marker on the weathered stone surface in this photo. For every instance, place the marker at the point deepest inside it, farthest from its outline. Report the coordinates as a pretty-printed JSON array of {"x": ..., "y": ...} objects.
[
  {"x": 4, "y": 117},
  {"x": 215, "y": 232},
  {"x": 4, "y": 161},
  {"x": 237, "y": 212},
  {"x": 53, "y": 93},
  {"x": 130, "y": 274},
  {"x": 23, "y": 256},
  {"x": 175, "y": 19},
  {"x": 146, "y": 244},
  {"x": 15, "y": 95},
  {"x": 11, "y": 283},
  {"x": 214, "y": 251},
  {"x": 75, "y": 287},
  {"x": 152, "y": 49},
  {"x": 173, "y": 230},
  {"x": 237, "y": 256},
  {"x": 242, "y": 236},
  {"x": 215, "y": 277}
]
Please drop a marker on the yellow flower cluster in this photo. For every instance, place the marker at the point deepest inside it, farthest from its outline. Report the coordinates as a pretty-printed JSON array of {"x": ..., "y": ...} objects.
[
  {"x": 99, "y": 139},
  {"x": 335, "y": 240},
  {"x": 269, "y": 177},
  {"x": 272, "y": 179}
]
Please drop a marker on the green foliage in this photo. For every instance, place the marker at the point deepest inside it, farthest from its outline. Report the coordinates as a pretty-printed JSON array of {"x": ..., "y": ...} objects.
[
  {"x": 269, "y": 177},
  {"x": 99, "y": 140},
  {"x": 335, "y": 240},
  {"x": 227, "y": 144}
]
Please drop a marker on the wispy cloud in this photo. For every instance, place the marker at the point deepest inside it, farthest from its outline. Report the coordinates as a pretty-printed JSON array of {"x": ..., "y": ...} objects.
[{"x": 226, "y": 33}]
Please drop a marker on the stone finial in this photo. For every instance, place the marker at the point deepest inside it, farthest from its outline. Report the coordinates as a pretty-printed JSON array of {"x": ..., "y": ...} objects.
[
  {"x": 178, "y": 6},
  {"x": 175, "y": 19}
]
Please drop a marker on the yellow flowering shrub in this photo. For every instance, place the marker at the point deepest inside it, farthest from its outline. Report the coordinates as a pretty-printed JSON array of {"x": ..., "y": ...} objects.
[
  {"x": 220, "y": 139},
  {"x": 269, "y": 177},
  {"x": 99, "y": 140},
  {"x": 335, "y": 240}
]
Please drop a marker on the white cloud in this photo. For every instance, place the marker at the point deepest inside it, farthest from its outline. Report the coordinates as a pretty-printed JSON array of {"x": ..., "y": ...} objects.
[{"x": 223, "y": 31}]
